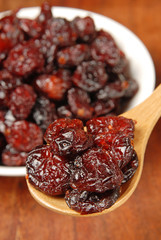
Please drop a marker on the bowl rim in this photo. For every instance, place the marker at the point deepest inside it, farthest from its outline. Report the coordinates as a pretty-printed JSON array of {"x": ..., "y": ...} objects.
[{"x": 59, "y": 11}]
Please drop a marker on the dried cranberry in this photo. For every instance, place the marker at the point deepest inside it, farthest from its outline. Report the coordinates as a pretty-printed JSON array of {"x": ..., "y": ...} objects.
[
  {"x": 79, "y": 102},
  {"x": 48, "y": 172},
  {"x": 24, "y": 59},
  {"x": 53, "y": 86},
  {"x": 23, "y": 135},
  {"x": 71, "y": 141},
  {"x": 95, "y": 171},
  {"x": 45, "y": 13},
  {"x": 113, "y": 124},
  {"x": 59, "y": 31},
  {"x": 102, "y": 108},
  {"x": 104, "y": 49},
  {"x": 85, "y": 28},
  {"x": 55, "y": 128},
  {"x": 64, "y": 112},
  {"x": 30, "y": 27},
  {"x": 130, "y": 168},
  {"x": 12, "y": 157},
  {"x": 90, "y": 76},
  {"x": 21, "y": 101},
  {"x": 6, "y": 120},
  {"x": 86, "y": 202},
  {"x": 73, "y": 56},
  {"x": 44, "y": 112}
]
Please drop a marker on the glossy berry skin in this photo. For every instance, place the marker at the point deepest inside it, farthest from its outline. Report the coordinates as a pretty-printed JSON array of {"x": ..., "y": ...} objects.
[
  {"x": 90, "y": 76},
  {"x": 129, "y": 169},
  {"x": 48, "y": 172},
  {"x": 71, "y": 141},
  {"x": 79, "y": 102},
  {"x": 86, "y": 202},
  {"x": 21, "y": 101},
  {"x": 111, "y": 124},
  {"x": 23, "y": 135},
  {"x": 12, "y": 157},
  {"x": 95, "y": 171},
  {"x": 59, "y": 125}
]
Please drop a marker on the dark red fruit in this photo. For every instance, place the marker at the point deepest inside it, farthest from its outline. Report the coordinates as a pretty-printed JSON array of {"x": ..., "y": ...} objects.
[
  {"x": 60, "y": 32},
  {"x": 21, "y": 101},
  {"x": 71, "y": 141},
  {"x": 85, "y": 28},
  {"x": 24, "y": 59},
  {"x": 130, "y": 168},
  {"x": 30, "y": 27},
  {"x": 113, "y": 124},
  {"x": 95, "y": 171},
  {"x": 45, "y": 13},
  {"x": 53, "y": 86},
  {"x": 64, "y": 112},
  {"x": 104, "y": 49},
  {"x": 44, "y": 112},
  {"x": 12, "y": 157},
  {"x": 90, "y": 76},
  {"x": 79, "y": 102},
  {"x": 73, "y": 56},
  {"x": 60, "y": 125},
  {"x": 48, "y": 172},
  {"x": 23, "y": 135},
  {"x": 86, "y": 202},
  {"x": 102, "y": 108}
]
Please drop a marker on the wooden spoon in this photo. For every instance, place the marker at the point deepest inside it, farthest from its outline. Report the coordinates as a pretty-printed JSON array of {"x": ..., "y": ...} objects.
[{"x": 146, "y": 115}]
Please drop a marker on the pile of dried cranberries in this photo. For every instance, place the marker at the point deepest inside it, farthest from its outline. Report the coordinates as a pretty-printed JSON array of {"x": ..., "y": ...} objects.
[
  {"x": 52, "y": 68},
  {"x": 87, "y": 164}
]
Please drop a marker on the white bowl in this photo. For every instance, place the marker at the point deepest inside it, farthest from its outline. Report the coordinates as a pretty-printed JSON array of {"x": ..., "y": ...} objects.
[{"x": 141, "y": 64}]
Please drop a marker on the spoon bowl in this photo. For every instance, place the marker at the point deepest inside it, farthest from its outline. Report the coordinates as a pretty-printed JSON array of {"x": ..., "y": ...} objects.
[{"x": 146, "y": 115}]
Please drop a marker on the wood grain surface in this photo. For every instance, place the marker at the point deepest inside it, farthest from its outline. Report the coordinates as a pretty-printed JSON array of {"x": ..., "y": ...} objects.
[{"x": 21, "y": 218}]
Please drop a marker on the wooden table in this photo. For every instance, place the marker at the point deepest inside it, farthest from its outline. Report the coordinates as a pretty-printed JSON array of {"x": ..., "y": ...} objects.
[{"x": 21, "y": 218}]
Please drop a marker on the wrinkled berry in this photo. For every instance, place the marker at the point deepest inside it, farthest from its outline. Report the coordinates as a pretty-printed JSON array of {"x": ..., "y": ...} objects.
[
  {"x": 79, "y": 102},
  {"x": 90, "y": 76},
  {"x": 86, "y": 202},
  {"x": 48, "y": 172},
  {"x": 23, "y": 135},
  {"x": 12, "y": 157},
  {"x": 21, "y": 101},
  {"x": 95, "y": 171}
]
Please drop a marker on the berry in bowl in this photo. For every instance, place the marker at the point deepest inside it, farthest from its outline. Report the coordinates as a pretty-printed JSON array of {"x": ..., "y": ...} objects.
[{"x": 59, "y": 62}]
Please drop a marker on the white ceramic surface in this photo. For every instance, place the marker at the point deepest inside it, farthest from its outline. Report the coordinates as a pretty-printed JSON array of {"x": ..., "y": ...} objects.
[{"x": 141, "y": 64}]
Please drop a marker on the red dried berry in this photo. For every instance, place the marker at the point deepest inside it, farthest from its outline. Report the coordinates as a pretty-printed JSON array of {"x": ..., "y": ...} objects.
[
  {"x": 59, "y": 125},
  {"x": 64, "y": 112},
  {"x": 48, "y": 172},
  {"x": 79, "y": 102},
  {"x": 53, "y": 86},
  {"x": 86, "y": 202},
  {"x": 60, "y": 32},
  {"x": 44, "y": 112},
  {"x": 23, "y": 135},
  {"x": 85, "y": 28},
  {"x": 113, "y": 124},
  {"x": 73, "y": 56},
  {"x": 71, "y": 141},
  {"x": 130, "y": 168},
  {"x": 12, "y": 157},
  {"x": 104, "y": 49},
  {"x": 21, "y": 101},
  {"x": 24, "y": 59},
  {"x": 90, "y": 76},
  {"x": 95, "y": 171},
  {"x": 30, "y": 27}
]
